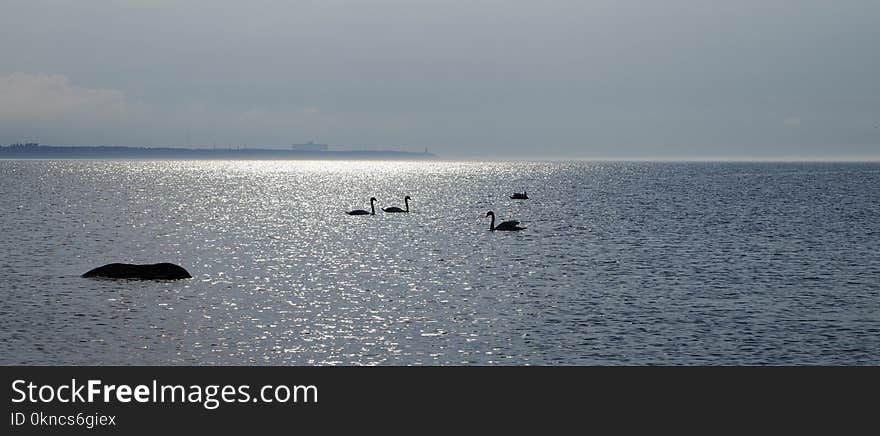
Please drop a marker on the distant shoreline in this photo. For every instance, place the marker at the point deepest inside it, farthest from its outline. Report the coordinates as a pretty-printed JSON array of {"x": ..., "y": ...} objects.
[{"x": 31, "y": 151}]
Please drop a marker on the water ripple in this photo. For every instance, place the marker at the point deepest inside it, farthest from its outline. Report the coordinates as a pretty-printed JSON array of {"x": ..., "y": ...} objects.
[{"x": 622, "y": 263}]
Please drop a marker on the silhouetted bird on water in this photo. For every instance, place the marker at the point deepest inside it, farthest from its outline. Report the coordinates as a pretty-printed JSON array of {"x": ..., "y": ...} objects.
[
  {"x": 509, "y": 226},
  {"x": 363, "y": 212},
  {"x": 518, "y": 196},
  {"x": 395, "y": 209}
]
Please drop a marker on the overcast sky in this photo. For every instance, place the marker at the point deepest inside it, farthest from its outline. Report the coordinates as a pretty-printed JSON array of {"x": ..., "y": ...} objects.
[{"x": 467, "y": 79}]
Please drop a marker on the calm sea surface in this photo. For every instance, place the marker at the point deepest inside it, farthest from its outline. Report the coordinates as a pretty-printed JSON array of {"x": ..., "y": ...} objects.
[{"x": 622, "y": 263}]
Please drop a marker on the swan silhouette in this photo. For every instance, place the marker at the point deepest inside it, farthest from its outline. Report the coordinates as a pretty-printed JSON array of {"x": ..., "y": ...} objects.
[
  {"x": 510, "y": 226},
  {"x": 363, "y": 212},
  {"x": 518, "y": 196},
  {"x": 395, "y": 209}
]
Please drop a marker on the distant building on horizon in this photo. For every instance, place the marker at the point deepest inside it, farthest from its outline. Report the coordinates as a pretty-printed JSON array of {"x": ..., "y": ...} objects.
[{"x": 310, "y": 146}]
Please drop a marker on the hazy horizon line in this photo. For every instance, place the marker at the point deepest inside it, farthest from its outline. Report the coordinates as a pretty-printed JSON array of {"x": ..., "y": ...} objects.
[
  {"x": 868, "y": 160},
  {"x": 818, "y": 158}
]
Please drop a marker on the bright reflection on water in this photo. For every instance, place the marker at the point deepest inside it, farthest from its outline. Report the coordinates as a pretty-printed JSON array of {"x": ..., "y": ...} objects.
[{"x": 622, "y": 263}]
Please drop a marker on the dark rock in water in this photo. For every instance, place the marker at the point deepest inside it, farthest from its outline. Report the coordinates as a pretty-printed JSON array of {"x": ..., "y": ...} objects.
[{"x": 156, "y": 271}]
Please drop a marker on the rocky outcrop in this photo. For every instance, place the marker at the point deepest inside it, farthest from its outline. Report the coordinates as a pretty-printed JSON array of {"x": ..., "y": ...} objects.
[{"x": 156, "y": 271}]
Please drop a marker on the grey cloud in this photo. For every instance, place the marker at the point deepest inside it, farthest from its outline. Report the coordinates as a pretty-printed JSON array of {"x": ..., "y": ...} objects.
[{"x": 472, "y": 79}]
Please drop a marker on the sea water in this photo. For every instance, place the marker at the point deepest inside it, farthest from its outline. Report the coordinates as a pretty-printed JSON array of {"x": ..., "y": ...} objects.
[{"x": 621, "y": 263}]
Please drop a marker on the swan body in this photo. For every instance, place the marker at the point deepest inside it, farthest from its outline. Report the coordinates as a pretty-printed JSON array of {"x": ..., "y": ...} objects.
[
  {"x": 395, "y": 209},
  {"x": 363, "y": 212},
  {"x": 518, "y": 196},
  {"x": 509, "y": 226}
]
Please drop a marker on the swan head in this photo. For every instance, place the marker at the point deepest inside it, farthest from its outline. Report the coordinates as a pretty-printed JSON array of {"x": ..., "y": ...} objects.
[
  {"x": 406, "y": 198},
  {"x": 490, "y": 213},
  {"x": 372, "y": 199}
]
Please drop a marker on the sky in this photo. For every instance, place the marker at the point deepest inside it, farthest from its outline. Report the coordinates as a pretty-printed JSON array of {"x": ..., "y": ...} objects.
[{"x": 511, "y": 79}]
